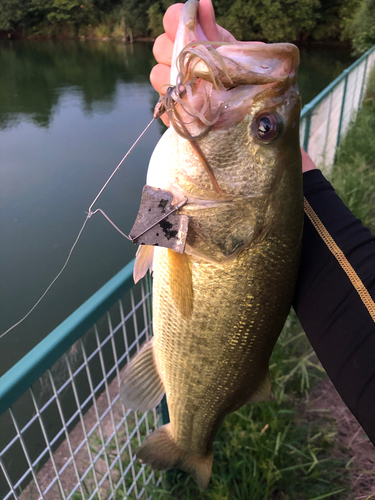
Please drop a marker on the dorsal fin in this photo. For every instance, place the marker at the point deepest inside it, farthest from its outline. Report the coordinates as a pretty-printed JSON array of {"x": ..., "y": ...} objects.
[
  {"x": 180, "y": 282},
  {"x": 143, "y": 261}
]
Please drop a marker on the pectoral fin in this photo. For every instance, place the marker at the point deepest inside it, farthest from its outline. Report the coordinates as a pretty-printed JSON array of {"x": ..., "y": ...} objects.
[
  {"x": 143, "y": 261},
  {"x": 141, "y": 388},
  {"x": 181, "y": 282}
]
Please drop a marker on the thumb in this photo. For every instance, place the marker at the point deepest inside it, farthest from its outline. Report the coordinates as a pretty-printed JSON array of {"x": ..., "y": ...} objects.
[
  {"x": 208, "y": 24},
  {"x": 207, "y": 20}
]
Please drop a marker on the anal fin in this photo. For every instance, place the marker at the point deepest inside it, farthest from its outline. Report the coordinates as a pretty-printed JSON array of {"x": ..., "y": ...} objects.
[
  {"x": 263, "y": 392},
  {"x": 141, "y": 387},
  {"x": 160, "y": 451},
  {"x": 143, "y": 261},
  {"x": 181, "y": 282}
]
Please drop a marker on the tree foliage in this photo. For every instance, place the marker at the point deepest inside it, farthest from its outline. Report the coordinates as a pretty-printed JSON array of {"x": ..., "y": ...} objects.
[
  {"x": 267, "y": 20},
  {"x": 360, "y": 28},
  {"x": 136, "y": 16},
  {"x": 12, "y": 13},
  {"x": 155, "y": 20},
  {"x": 42, "y": 15}
]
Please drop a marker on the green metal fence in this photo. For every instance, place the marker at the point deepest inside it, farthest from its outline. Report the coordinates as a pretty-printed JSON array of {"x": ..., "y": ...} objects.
[
  {"x": 325, "y": 120},
  {"x": 64, "y": 433}
]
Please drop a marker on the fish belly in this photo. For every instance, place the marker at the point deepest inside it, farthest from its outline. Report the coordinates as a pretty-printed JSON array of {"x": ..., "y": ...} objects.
[{"x": 215, "y": 359}]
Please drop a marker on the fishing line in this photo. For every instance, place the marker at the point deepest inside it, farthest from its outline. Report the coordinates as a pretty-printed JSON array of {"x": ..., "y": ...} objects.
[
  {"x": 90, "y": 213},
  {"x": 119, "y": 165},
  {"x": 110, "y": 221},
  {"x": 50, "y": 285}
]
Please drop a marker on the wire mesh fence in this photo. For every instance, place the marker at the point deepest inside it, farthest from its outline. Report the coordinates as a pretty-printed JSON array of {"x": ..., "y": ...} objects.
[
  {"x": 69, "y": 436},
  {"x": 325, "y": 120}
]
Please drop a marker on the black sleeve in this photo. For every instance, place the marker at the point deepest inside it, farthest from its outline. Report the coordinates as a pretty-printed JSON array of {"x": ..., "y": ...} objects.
[{"x": 334, "y": 297}]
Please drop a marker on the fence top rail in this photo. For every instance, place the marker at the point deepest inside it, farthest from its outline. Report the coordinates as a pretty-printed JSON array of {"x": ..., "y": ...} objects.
[
  {"x": 32, "y": 366},
  {"x": 311, "y": 105}
]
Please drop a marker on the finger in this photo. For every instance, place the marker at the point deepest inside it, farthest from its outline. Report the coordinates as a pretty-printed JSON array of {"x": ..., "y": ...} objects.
[
  {"x": 207, "y": 20},
  {"x": 165, "y": 120},
  {"x": 159, "y": 76},
  {"x": 208, "y": 24},
  {"x": 171, "y": 19},
  {"x": 163, "y": 49}
]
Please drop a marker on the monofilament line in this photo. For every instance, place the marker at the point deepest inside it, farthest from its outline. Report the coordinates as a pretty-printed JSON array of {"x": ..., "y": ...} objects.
[
  {"x": 49, "y": 286},
  {"x": 111, "y": 222},
  {"x": 89, "y": 214},
  {"x": 118, "y": 166}
]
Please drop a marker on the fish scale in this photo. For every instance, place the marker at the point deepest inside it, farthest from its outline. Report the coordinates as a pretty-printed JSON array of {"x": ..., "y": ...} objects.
[
  {"x": 228, "y": 331},
  {"x": 219, "y": 307}
]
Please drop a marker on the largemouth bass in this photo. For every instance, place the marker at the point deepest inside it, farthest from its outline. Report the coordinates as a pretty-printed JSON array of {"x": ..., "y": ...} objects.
[{"x": 233, "y": 152}]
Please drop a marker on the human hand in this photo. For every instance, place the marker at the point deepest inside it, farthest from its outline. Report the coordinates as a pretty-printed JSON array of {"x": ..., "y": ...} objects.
[
  {"x": 163, "y": 46},
  {"x": 163, "y": 50}
]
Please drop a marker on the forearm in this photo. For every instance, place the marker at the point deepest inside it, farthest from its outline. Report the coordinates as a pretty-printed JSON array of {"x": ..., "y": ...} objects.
[{"x": 335, "y": 294}]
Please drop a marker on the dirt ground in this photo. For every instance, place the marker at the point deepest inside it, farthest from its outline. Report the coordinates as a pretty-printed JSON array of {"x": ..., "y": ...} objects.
[{"x": 351, "y": 441}]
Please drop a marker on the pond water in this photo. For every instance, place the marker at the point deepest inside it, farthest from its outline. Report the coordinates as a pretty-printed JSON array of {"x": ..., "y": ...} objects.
[{"x": 68, "y": 113}]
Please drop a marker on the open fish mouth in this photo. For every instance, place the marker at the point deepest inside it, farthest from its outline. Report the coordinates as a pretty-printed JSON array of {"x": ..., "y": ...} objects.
[{"x": 216, "y": 82}]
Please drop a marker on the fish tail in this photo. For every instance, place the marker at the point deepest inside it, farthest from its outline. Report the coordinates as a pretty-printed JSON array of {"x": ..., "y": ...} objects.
[{"x": 160, "y": 451}]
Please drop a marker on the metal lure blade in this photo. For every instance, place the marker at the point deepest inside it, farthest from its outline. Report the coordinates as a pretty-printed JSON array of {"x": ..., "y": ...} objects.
[{"x": 158, "y": 222}]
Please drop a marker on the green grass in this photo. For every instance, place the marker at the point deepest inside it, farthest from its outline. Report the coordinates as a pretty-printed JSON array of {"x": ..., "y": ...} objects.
[
  {"x": 279, "y": 450},
  {"x": 353, "y": 174},
  {"x": 117, "y": 465},
  {"x": 273, "y": 450}
]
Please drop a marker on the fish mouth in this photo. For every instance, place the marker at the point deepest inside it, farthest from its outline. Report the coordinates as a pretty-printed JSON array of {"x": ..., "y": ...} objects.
[
  {"x": 216, "y": 83},
  {"x": 246, "y": 62},
  {"x": 212, "y": 78}
]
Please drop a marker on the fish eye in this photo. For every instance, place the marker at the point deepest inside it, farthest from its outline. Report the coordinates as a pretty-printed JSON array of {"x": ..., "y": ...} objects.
[{"x": 267, "y": 127}]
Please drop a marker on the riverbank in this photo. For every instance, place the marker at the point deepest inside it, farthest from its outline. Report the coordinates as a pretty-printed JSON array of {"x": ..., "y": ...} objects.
[
  {"x": 305, "y": 23},
  {"x": 102, "y": 34},
  {"x": 95, "y": 35}
]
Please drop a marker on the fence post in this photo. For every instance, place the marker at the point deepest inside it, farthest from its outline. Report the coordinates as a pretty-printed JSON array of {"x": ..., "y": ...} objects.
[
  {"x": 342, "y": 107},
  {"x": 363, "y": 82},
  {"x": 307, "y": 130},
  {"x": 164, "y": 411},
  {"x": 328, "y": 124}
]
